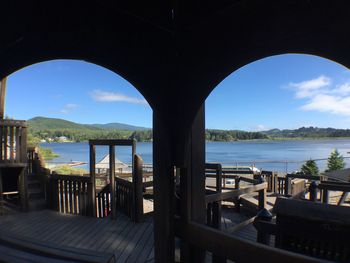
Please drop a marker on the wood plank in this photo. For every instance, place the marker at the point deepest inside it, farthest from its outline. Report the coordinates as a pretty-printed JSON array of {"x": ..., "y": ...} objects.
[
  {"x": 112, "y": 142},
  {"x": 141, "y": 244},
  {"x": 108, "y": 238},
  {"x": 123, "y": 253},
  {"x": 120, "y": 239}
]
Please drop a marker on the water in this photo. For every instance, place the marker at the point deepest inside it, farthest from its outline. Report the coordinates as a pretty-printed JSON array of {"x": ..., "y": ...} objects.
[{"x": 270, "y": 155}]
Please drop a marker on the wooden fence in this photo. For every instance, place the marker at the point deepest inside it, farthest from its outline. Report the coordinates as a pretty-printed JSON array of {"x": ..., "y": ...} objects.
[
  {"x": 70, "y": 194},
  {"x": 13, "y": 141}
]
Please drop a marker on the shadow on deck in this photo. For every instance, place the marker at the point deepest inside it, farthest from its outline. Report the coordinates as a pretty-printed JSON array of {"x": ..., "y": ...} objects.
[{"x": 129, "y": 242}]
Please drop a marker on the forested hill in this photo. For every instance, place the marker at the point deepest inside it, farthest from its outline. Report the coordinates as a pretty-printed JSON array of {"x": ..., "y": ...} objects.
[
  {"x": 51, "y": 129},
  {"x": 308, "y": 132}
]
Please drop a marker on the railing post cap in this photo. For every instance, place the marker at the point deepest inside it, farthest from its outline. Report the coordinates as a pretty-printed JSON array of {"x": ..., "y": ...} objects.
[
  {"x": 261, "y": 179},
  {"x": 264, "y": 215},
  {"x": 314, "y": 183}
]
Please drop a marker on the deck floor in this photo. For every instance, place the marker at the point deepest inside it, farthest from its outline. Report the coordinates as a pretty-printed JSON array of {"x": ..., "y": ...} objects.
[{"x": 128, "y": 241}]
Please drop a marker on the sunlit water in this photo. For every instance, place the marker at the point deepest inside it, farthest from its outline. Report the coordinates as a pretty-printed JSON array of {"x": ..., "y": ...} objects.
[{"x": 269, "y": 155}]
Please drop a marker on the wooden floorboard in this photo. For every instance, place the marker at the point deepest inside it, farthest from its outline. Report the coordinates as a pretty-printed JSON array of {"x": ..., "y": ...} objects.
[{"x": 128, "y": 241}]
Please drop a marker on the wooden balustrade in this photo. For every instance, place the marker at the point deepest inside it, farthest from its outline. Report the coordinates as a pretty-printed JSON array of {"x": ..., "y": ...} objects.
[
  {"x": 70, "y": 194},
  {"x": 13, "y": 141},
  {"x": 103, "y": 202},
  {"x": 327, "y": 186},
  {"x": 228, "y": 247}
]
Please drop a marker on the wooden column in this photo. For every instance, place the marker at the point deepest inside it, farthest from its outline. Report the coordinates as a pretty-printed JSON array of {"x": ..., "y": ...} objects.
[
  {"x": 163, "y": 185},
  {"x": 137, "y": 183},
  {"x": 92, "y": 185},
  {"x": 195, "y": 161},
  {"x": 112, "y": 181},
  {"x": 2, "y": 97},
  {"x": 23, "y": 182}
]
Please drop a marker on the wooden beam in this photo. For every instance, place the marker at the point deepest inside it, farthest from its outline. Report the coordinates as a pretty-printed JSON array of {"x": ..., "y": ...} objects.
[
  {"x": 163, "y": 185},
  {"x": 195, "y": 199},
  {"x": 112, "y": 181},
  {"x": 137, "y": 185},
  {"x": 92, "y": 185},
  {"x": 112, "y": 142},
  {"x": 2, "y": 97}
]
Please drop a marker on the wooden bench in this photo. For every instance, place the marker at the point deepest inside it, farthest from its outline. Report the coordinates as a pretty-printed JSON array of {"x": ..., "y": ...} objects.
[
  {"x": 314, "y": 229},
  {"x": 20, "y": 249}
]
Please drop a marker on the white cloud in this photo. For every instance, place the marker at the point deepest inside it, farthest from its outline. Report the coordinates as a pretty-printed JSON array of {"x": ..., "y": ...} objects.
[
  {"x": 329, "y": 103},
  {"x": 69, "y": 107},
  {"x": 308, "y": 88},
  {"x": 322, "y": 96},
  {"x": 107, "y": 96},
  {"x": 259, "y": 127}
]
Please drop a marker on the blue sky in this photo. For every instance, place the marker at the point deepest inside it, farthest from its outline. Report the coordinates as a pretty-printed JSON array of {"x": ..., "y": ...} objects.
[{"x": 287, "y": 91}]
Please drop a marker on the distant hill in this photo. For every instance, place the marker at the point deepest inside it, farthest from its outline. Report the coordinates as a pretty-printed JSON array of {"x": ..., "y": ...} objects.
[
  {"x": 308, "y": 132},
  {"x": 118, "y": 126},
  {"x": 43, "y": 123}
]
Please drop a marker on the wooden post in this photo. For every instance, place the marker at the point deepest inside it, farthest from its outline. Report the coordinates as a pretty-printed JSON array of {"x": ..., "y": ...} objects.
[
  {"x": 112, "y": 181},
  {"x": 325, "y": 196},
  {"x": 163, "y": 185},
  {"x": 263, "y": 215},
  {"x": 313, "y": 191},
  {"x": 195, "y": 160},
  {"x": 262, "y": 196},
  {"x": 92, "y": 185},
  {"x": 137, "y": 182},
  {"x": 2, "y": 97},
  {"x": 185, "y": 210},
  {"x": 287, "y": 186}
]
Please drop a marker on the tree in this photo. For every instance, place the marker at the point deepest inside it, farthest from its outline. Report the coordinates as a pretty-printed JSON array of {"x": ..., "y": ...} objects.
[
  {"x": 335, "y": 161},
  {"x": 310, "y": 168}
]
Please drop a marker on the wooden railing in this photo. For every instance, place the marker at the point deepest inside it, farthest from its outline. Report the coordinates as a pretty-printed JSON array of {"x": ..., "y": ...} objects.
[
  {"x": 103, "y": 202},
  {"x": 325, "y": 187},
  {"x": 13, "y": 141},
  {"x": 70, "y": 194}
]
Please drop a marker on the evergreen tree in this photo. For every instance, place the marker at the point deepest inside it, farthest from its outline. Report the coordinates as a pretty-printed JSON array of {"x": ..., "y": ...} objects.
[
  {"x": 335, "y": 161},
  {"x": 310, "y": 168}
]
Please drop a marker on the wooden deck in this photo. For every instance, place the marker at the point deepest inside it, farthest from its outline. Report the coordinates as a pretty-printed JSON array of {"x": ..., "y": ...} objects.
[{"x": 128, "y": 241}]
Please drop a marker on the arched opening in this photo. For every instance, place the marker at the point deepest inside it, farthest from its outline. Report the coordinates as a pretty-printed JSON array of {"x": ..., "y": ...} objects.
[
  {"x": 279, "y": 98},
  {"x": 77, "y": 114},
  {"x": 281, "y": 121}
]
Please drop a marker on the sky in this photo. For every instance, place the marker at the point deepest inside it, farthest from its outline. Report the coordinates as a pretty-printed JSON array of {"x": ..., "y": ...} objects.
[{"x": 285, "y": 92}]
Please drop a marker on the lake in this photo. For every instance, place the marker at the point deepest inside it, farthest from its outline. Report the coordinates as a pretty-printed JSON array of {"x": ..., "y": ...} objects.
[{"x": 265, "y": 154}]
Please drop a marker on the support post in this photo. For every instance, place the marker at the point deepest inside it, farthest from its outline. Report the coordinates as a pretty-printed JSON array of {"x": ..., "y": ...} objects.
[
  {"x": 262, "y": 196},
  {"x": 325, "y": 196},
  {"x": 2, "y": 97},
  {"x": 313, "y": 191},
  {"x": 112, "y": 181},
  {"x": 163, "y": 185},
  {"x": 92, "y": 185},
  {"x": 137, "y": 182},
  {"x": 263, "y": 215},
  {"x": 195, "y": 160}
]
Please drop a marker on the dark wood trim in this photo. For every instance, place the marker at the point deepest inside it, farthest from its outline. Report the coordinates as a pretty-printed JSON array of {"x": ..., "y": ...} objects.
[
  {"x": 2, "y": 97},
  {"x": 163, "y": 186},
  {"x": 92, "y": 184},
  {"x": 112, "y": 142},
  {"x": 237, "y": 249},
  {"x": 112, "y": 181}
]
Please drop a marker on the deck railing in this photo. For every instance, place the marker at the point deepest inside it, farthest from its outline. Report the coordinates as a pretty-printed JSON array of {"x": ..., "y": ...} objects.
[
  {"x": 13, "y": 144},
  {"x": 70, "y": 194}
]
